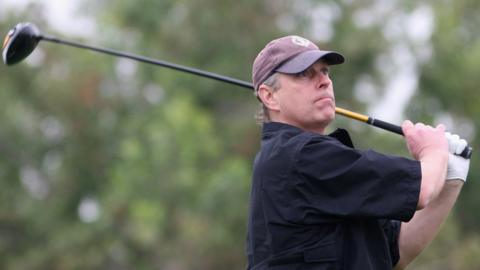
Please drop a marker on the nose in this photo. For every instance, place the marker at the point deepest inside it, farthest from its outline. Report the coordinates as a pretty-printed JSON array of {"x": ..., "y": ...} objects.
[{"x": 323, "y": 80}]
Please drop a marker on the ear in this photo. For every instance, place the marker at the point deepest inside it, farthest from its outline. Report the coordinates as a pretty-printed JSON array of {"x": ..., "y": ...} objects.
[{"x": 268, "y": 97}]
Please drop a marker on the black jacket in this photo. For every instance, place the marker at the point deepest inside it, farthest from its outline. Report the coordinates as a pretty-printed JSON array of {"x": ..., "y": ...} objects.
[{"x": 318, "y": 203}]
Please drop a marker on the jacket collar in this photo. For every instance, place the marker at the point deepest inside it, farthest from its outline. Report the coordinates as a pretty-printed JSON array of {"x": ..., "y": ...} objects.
[{"x": 273, "y": 127}]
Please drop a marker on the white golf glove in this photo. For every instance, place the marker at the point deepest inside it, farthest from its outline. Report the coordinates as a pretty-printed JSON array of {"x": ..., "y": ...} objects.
[{"x": 457, "y": 165}]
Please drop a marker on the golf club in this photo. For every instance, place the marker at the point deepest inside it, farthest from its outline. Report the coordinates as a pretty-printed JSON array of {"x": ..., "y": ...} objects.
[{"x": 24, "y": 37}]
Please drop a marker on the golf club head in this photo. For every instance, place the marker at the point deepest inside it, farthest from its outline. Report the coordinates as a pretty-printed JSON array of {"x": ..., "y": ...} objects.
[{"x": 20, "y": 42}]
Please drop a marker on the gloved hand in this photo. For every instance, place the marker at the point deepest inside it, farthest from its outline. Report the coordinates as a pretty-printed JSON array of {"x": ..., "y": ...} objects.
[{"x": 457, "y": 165}]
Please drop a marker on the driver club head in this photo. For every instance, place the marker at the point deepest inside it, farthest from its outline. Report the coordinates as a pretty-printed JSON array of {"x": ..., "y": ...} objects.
[{"x": 20, "y": 43}]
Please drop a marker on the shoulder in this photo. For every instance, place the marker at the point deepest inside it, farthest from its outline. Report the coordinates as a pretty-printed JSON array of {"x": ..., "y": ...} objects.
[{"x": 321, "y": 145}]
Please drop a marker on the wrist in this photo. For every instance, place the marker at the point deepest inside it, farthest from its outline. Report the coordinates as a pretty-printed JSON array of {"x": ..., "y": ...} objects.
[{"x": 434, "y": 156}]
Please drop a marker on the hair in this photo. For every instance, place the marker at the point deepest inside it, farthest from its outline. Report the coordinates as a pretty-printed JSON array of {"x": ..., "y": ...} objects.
[{"x": 262, "y": 116}]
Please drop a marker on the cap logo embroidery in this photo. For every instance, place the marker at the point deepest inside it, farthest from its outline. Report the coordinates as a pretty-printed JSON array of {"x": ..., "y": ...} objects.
[{"x": 300, "y": 41}]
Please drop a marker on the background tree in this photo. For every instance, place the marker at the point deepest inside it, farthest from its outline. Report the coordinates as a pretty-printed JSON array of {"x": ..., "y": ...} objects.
[{"x": 111, "y": 164}]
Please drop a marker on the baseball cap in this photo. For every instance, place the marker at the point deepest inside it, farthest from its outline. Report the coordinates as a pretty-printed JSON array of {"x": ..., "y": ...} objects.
[{"x": 289, "y": 54}]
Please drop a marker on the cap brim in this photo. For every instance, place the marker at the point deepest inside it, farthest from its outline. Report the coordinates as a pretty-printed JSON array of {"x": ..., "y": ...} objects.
[{"x": 303, "y": 60}]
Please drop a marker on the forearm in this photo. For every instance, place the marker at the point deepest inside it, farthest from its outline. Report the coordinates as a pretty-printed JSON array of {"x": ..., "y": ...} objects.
[
  {"x": 434, "y": 169},
  {"x": 424, "y": 226}
]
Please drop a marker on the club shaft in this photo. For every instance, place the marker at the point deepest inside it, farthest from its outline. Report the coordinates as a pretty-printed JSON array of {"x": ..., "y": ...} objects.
[
  {"x": 143, "y": 59},
  {"x": 370, "y": 120},
  {"x": 353, "y": 115}
]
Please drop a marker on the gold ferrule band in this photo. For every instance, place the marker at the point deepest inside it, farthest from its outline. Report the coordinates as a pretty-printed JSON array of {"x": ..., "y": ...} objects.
[{"x": 350, "y": 114}]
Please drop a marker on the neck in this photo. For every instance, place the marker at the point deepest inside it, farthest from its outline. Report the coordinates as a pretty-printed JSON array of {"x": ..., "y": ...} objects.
[{"x": 317, "y": 128}]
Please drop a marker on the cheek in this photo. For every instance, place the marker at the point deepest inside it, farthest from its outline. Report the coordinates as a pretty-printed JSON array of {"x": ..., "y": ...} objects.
[{"x": 287, "y": 100}]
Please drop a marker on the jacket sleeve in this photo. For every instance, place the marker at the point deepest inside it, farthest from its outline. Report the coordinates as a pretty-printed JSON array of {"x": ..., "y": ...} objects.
[{"x": 335, "y": 181}]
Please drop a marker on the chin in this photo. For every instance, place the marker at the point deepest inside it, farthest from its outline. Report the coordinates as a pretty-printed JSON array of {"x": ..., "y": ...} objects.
[
  {"x": 324, "y": 121},
  {"x": 330, "y": 116}
]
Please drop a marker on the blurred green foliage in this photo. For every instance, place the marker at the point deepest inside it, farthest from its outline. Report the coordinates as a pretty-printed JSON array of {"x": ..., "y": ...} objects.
[{"x": 109, "y": 164}]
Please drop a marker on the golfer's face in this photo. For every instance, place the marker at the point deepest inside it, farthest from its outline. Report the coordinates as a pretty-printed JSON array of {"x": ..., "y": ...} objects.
[{"x": 306, "y": 99}]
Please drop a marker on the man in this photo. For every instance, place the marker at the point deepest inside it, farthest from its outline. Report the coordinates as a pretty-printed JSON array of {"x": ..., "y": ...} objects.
[{"x": 318, "y": 203}]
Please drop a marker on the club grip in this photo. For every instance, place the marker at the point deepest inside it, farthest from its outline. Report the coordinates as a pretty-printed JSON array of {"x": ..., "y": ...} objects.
[
  {"x": 385, "y": 125},
  {"x": 466, "y": 153}
]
